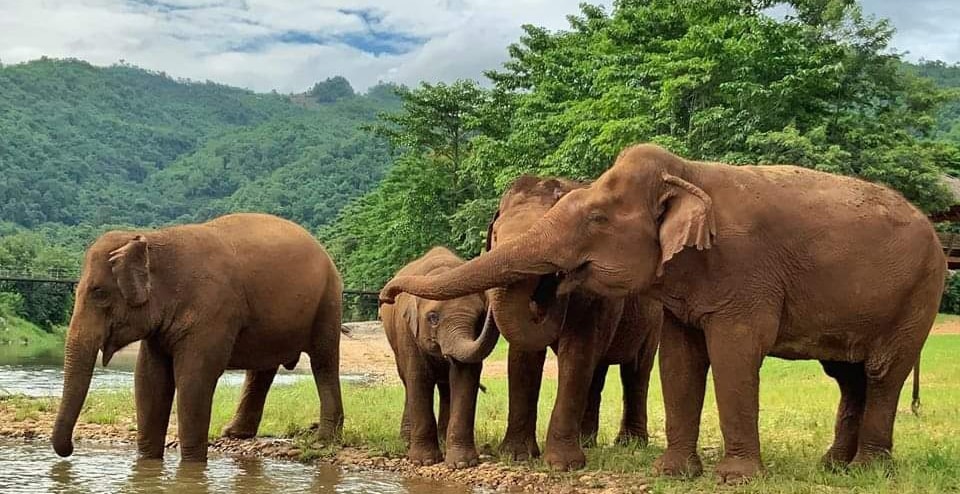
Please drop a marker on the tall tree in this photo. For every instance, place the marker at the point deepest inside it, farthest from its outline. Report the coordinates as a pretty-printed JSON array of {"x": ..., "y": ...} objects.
[{"x": 414, "y": 207}]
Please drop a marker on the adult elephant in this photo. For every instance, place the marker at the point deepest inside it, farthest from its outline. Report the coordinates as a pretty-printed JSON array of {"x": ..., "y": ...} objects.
[
  {"x": 439, "y": 345},
  {"x": 587, "y": 332},
  {"x": 785, "y": 261},
  {"x": 243, "y": 291}
]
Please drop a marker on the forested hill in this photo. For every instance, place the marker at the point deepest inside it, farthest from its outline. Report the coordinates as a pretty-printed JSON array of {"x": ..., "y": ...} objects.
[
  {"x": 946, "y": 76},
  {"x": 86, "y": 146}
]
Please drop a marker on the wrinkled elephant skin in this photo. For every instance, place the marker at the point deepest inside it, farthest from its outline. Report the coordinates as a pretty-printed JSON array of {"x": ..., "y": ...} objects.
[
  {"x": 243, "y": 291},
  {"x": 439, "y": 345},
  {"x": 749, "y": 262},
  {"x": 587, "y": 332}
]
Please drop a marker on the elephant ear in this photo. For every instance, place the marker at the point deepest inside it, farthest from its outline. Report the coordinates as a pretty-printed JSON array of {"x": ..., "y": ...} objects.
[
  {"x": 687, "y": 219},
  {"x": 490, "y": 231},
  {"x": 411, "y": 316},
  {"x": 131, "y": 268}
]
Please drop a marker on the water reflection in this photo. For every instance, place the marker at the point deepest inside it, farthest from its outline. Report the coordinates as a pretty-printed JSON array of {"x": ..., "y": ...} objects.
[
  {"x": 41, "y": 374},
  {"x": 33, "y": 467}
]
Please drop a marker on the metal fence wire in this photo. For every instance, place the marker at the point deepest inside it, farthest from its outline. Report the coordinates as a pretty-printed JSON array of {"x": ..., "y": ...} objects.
[{"x": 358, "y": 305}]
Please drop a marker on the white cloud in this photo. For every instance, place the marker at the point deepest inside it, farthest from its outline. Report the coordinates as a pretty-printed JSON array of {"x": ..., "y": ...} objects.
[{"x": 290, "y": 44}]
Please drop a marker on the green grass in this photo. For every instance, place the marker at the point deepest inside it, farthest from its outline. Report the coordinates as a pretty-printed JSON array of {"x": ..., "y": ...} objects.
[
  {"x": 944, "y": 318},
  {"x": 21, "y": 338},
  {"x": 798, "y": 404}
]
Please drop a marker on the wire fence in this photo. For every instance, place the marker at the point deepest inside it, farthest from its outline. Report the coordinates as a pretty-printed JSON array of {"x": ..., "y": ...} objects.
[{"x": 358, "y": 305}]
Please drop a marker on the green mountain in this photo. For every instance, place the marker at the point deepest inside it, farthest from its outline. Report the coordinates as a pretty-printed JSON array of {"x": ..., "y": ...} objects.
[{"x": 83, "y": 147}]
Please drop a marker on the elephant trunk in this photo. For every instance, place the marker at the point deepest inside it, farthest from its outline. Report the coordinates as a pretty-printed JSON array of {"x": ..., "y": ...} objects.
[
  {"x": 526, "y": 320},
  {"x": 463, "y": 348},
  {"x": 80, "y": 356},
  {"x": 508, "y": 263}
]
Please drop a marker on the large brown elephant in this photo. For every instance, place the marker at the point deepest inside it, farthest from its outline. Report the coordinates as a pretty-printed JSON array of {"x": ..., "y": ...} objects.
[
  {"x": 439, "y": 345},
  {"x": 243, "y": 291},
  {"x": 588, "y": 333},
  {"x": 748, "y": 261}
]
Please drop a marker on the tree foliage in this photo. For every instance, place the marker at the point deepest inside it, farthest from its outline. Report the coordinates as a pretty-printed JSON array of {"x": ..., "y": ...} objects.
[
  {"x": 86, "y": 145},
  {"x": 709, "y": 79},
  {"x": 416, "y": 205},
  {"x": 47, "y": 305}
]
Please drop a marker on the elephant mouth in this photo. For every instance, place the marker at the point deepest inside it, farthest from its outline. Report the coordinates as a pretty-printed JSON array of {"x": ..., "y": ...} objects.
[{"x": 544, "y": 296}]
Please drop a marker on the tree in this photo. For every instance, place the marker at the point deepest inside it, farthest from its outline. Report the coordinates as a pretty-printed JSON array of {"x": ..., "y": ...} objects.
[
  {"x": 415, "y": 206},
  {"x": 331, "y": 89},
  {"x": 720, "y": 80}
]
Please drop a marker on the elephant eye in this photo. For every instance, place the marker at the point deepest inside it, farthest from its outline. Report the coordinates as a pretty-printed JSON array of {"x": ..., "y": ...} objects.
[
  {"x": 597, "y": 216},
  {"x": 433, "y": 318},
  {"x": 99, "y": 295}
]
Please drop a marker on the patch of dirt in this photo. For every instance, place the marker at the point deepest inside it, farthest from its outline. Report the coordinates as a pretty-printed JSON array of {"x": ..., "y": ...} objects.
[
  {"x": 366, "y": 351},
  {"x": 489, "y": 474},
  {"x": 947, "y": 327}
]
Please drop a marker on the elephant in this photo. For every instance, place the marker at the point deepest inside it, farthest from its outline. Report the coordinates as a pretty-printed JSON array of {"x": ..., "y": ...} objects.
[
  {"x": 749, "y": 262},
  {"x": 439, "y": 345},
  {"x": 242, "y": 291},
  {"x": 588, "y": 333}
]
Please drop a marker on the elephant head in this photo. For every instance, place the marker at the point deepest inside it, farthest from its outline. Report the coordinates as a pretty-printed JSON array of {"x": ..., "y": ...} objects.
[
  {"x": 113, "y": 308},
  {"x": 460, "y": 329},
  {"x": 612, "y": 237},
  {"x": 528, "y": 312}
]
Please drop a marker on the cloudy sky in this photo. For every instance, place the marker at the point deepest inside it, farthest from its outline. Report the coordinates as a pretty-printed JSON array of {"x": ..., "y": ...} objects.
[{"x": 288, "y": 45}]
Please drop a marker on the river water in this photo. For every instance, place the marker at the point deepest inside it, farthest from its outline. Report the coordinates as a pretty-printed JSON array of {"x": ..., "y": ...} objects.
[
  {"x": 33, "y": 467},
  {"x": 41, "y": 374}
]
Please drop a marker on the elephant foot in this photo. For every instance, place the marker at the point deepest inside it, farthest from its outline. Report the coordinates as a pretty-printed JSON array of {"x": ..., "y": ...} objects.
[
  {"x": 737, "y": 470},
  {"x": 671, "y": 464},
  {"x": 519, "y": 448},
  {"x": 867, "y": 459},
  {"x": 424, "y": 455},
  {"x": 565, "y": 458},
  {"x": 461, "y": 457},
  {"x": 629, "y": 436},
  {"x": 326, "y": 431},
  {"x": 235, "y": 430},
  {"x": 837, "y": 459}
]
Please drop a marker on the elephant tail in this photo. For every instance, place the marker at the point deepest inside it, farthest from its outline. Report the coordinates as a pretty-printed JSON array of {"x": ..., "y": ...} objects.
[
  {"x": 483, "y": 388},
  {"x": 915, "y": 404}
]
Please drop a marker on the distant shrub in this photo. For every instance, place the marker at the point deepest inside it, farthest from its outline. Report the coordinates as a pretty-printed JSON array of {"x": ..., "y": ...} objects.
[{"x": 950, "y": 303}]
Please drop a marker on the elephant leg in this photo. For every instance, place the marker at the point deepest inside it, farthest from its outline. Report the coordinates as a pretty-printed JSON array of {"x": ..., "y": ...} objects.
[
  {"x": 853, "y": 390},
  {"x": 443, "y": 419},
  {"x": 576, "y": 374},
  {"x": 405, "y": 424},
  {"x": 524, "y": 376},
  {"x": 736, "y": 350},
  {"x": 683, "y": 357},
  {"x": 885, "y": 378},
  {"x": 590, "y": 423},
  {"x": 250, "y": 410},
  {"x": 635, "y": 379},
  {"x": 424, "y": 447},
  {"x": 464, "y": 385},
  {"x": 153, "y": 391},
  {"x": 325, "y": 364},
  {"x": 196, "y": 373}
]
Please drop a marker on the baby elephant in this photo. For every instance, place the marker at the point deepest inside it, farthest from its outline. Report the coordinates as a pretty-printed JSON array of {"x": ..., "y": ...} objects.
[
  {"x": 439, "y": 344},
  {"x": 244, "y": 291}
]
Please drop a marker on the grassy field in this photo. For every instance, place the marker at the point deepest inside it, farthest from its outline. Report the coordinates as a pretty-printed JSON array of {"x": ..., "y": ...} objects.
[{"x": 798, "y": 403}]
